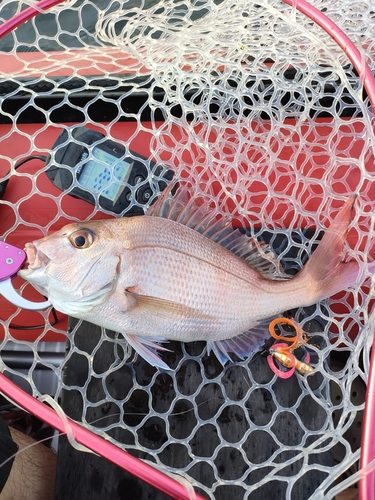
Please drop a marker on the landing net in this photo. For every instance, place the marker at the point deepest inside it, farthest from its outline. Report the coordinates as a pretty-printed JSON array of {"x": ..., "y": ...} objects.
[{"x": 265, "y": 115}]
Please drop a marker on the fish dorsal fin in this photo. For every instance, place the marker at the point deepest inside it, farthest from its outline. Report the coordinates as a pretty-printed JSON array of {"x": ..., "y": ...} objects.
[
  {"x": 257, "y": 254},
  {"x": 181, "y": 206},
  {"x": 176, "y": 203}
]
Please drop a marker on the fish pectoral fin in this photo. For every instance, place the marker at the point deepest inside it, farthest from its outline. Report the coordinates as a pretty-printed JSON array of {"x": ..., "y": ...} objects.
[
  {"x": 242, "y": 346},
  {"x": 167, "y": 308},
  {"x": 147, "y": 348}
]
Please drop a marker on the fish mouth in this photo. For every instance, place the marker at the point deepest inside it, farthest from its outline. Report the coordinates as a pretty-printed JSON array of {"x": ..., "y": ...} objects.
[{"x": 35, "y": 259}]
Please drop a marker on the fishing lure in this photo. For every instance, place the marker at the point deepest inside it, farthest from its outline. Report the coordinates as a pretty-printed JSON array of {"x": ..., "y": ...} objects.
[
  {"x": 283, "y": 352},
  {"x": 297, "y": 340}
]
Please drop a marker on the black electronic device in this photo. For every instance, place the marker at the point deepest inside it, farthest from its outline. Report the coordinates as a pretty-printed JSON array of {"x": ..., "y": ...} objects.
[{"x": 104, "y": 172}]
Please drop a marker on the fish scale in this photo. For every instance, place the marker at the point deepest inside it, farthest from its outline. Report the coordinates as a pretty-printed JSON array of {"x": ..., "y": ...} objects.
[{"x": 198, "y": 285}]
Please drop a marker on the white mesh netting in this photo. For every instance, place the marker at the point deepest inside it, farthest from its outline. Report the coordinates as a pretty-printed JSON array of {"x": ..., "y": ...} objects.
[{"x": 264, "y": 113}]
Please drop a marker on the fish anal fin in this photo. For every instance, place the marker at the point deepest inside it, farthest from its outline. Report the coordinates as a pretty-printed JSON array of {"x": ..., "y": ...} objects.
[{"x": 242, "y": 345}]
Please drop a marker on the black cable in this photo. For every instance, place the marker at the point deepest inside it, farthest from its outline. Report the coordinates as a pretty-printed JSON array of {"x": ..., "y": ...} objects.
[
  {"x": 36, "y": 327},
  {"x": 28, "y": 158},
  {"x": 3, "y": 184}
]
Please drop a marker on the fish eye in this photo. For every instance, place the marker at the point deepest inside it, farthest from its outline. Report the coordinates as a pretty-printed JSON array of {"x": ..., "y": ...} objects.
[{"x": 83, "y": 238}]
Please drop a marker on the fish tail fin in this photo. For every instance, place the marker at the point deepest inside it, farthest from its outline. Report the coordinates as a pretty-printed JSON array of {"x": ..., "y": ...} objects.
[{"x": 326, "y": 273}]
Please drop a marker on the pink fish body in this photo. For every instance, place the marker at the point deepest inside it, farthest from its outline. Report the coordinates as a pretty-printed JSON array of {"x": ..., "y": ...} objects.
[{"x": 154, "y": 278}]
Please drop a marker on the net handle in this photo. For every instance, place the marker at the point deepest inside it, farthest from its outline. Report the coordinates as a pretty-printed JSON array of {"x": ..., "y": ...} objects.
[
  {"x": 25, "y": 15},
  {"x": 107, "y": 450},
  {"x": 367, "y": 483}
]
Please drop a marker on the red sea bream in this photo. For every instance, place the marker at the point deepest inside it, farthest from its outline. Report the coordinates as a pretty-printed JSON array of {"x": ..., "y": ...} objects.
[{"x": 179, "y": 274}]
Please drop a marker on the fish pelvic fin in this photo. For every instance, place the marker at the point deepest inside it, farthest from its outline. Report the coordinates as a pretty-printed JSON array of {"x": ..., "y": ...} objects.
[
  {"x": 326, "y": 272},
  {"x": 242, "y": 346},
  {"x": 148, "y": 349}
]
